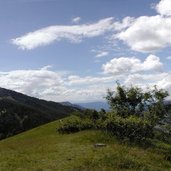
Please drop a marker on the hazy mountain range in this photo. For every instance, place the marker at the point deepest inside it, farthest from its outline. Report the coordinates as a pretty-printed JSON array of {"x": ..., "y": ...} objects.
[{"x": 95, "y": 105}]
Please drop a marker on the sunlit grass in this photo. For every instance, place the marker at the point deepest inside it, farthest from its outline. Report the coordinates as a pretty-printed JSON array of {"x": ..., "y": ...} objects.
[{"x": 43, "y": 149}]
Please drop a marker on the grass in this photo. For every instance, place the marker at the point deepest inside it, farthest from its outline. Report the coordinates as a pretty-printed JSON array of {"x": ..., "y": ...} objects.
[{"x": 43, "y": 149}]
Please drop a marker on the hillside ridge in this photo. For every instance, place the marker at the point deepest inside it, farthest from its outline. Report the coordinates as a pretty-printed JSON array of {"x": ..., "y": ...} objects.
[{"x": 20, "y": 112}]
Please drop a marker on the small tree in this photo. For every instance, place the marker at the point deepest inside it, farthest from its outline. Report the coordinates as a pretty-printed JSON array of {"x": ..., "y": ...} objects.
[
  {"x": 134, "y": 112},
  {"x": 133, "y": 101}
]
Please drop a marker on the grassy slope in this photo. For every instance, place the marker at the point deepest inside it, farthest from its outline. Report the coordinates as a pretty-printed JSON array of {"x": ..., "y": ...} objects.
[{"x": 43, "y": 149}]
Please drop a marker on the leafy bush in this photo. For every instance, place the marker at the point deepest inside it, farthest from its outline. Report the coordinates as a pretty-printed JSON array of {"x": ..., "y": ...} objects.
[
  {"x": 132, "y": 128},
  {"x": 134, "y": 112},
  {"x": 87, "y": 113},
  {"x": 134, "y": 101},
  {"x": 74, "y": 124}
]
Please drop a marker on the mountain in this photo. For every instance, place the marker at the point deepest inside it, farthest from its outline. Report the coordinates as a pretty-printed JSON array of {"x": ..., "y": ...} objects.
[
  {"x": 72, "y": 105},
  {"x": 95, "y": 105},
  {"x": 19, "y": 112},
  {"x": 44, "y": 149},
  {"x": 167, "y": 102}
]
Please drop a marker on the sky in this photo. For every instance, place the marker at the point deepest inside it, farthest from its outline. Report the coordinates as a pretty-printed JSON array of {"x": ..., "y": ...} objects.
[{"x": 74, "y": 50}]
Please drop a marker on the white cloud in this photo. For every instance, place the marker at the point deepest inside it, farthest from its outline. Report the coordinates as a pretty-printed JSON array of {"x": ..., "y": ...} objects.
[
  {"x": 165, "y": 83},
  {"x": 56, "y": 86},
  {"x": 126, "y": 22},
  {"x": 147, "y": 34},
  {"x": 102, "y": 54},
  {"x": 144, "y": 74},
  {"x": 145, "y": 79},
  {"x": 164, "y": 7},
  {"x": 32, "y": 82},
  {"x": 77, "y": 80},
  {"x": 76, "y": 20},
  {"x": 152, "y": 63},
  {"x": 129, "y": 71},
  {"x": 88, "y": 94},
  {"x": 125, "y": 65},
  {"x": 161, "y": 80},
  {"x": 73, "y": 33}
]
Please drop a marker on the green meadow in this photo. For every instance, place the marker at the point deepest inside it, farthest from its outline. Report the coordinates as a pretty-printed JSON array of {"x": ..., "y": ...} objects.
[{"x": 44, "y": 149}]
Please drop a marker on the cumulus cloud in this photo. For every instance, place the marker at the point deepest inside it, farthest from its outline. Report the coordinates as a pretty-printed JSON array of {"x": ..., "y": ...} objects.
[
  {"x": 144, "y": 74},
  {"x": 73, "y": 33},
  {"x": 164, "y": 7},
  {"x": 126, "y": 65},
  {"x": 147, "y": 34},
  {"x": 76, "y": 20},
  {"x": 32, "y": 82}
]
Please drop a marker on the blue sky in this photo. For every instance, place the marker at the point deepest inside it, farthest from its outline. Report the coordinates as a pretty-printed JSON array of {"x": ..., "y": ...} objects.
[{"x": 74, "y": 50}]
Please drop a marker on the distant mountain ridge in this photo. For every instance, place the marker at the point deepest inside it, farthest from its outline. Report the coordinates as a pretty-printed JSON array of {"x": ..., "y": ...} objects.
[
  {"x": 95, "y": 105},
  {"x": 167, "y": 102},
  {"x": 72, "y": 104},
  {"x": 19, "y": 112}
]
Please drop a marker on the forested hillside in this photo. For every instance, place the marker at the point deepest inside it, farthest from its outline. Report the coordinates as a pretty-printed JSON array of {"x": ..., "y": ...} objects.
[{"x": 19, "y": 112}]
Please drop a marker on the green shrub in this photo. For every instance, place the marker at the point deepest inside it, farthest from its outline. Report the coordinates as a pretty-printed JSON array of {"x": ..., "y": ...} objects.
[
  {"x": 74, "y": 124},
  {"x": 133, "y": 101},
  {"x": 132, "y": 128}
]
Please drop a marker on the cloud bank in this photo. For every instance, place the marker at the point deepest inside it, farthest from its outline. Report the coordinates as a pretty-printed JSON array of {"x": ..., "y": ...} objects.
[
  {"x": 61, "y": 86},
  {"x": 53, "y": 85}
]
